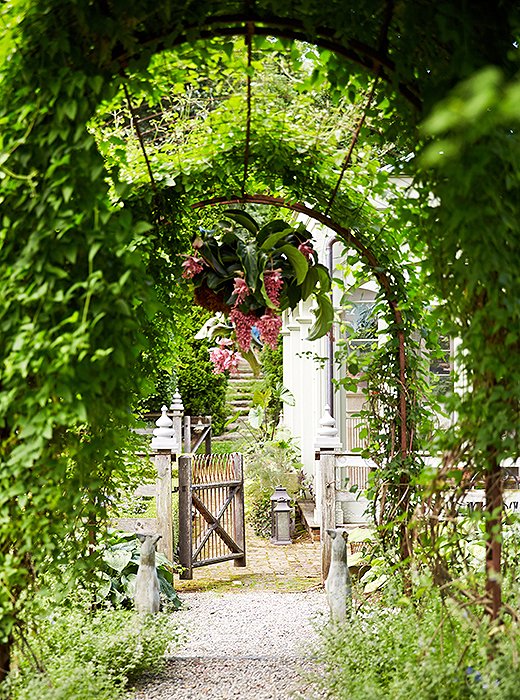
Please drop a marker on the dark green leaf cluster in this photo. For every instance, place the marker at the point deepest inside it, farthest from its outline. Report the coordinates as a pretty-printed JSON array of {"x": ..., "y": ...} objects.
[{"x": 251, "y": 251}]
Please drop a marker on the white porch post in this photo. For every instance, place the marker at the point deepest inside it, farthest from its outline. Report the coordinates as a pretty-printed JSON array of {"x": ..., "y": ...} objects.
[{"x": 177, "y": 410}]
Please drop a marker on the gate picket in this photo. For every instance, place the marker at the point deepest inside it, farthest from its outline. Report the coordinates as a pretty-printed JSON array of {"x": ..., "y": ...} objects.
[{"x": 211, "y": 511}]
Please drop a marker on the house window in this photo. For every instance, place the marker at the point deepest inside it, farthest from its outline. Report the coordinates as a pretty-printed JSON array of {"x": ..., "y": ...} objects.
[
  {"x": 362, "y": 327},
  {"x": 441, "y": 367}
]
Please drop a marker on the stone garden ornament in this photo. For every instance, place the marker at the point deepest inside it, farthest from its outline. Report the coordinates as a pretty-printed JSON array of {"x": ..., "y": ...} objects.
[
  {"x": 338, "y": 586},
  {"x": 147, "y": 590}
]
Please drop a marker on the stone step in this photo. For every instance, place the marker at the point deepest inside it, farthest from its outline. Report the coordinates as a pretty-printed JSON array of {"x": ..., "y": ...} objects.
[
  {"x": 238, "y": 411},
  {"x": 243, "y": 381}
]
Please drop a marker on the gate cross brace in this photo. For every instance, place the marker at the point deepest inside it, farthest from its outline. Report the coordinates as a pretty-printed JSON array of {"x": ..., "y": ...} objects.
[{"x": 214, "y": 523}]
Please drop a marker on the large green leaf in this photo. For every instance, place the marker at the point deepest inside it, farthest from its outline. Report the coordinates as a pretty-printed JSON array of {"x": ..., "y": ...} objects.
[
  {"x": 274, "y": 238},
  {"x": 249, "y": 258},
  {"x": 210, "y": 251},
  {"x": 324, "y": 318},
  {"x": 298, "y": 261},
  {"x": 251, "y": 358},
  {"x": 243, "y": 219},
  {"x": 309, "y": 283},
  {"x": 323, "y": 277},
  {"x": 272, "y": 227},
  {"x": 117, "y": 559}
]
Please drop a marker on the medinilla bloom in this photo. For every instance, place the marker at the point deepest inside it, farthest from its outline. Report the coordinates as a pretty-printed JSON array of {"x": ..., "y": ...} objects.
[
  {"x": 273, "y": 285},
  {"x": 306, "y": 249},
  {"x": 269, "y": 326},
  {"x": 241, "y": 290},
  {"x": 224, "y": 359},
  {"x": 243, "y": 324},
  {"x": 191, "y": 267}
]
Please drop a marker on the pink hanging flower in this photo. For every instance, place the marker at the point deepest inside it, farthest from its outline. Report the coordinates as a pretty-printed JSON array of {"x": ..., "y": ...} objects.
[
  {"x": 191, "y": 267},
  {"x": 269, "y": 326},
  {"x": 243, "y": 324},
  {"x": 306, "y": 249},
  {"x": 241, "y": 290},
  {"x": 224, "y": 360},
  {"x": 273, "y": 285}
]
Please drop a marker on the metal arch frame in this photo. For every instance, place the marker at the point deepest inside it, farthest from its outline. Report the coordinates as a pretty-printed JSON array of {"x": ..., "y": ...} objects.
[{"x": 369, "y": 58}]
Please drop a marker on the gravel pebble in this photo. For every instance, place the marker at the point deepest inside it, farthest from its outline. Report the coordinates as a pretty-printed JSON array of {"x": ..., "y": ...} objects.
[{"x": 241, "y": 645}]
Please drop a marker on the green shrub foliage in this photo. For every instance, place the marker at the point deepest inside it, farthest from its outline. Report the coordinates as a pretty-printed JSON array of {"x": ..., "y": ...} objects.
[
  {"x": 431, "y": 652},
  {"x": 83, "y": 656},
  {"x": 203, "y": 392}
]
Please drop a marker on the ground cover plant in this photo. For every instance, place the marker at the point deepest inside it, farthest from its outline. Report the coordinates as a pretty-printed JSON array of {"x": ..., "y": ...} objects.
[
  {"x": 72, "y": 653},
  {"x": 114, "y": 581},
  {"x": 439, "y": 643},
  {"x": 430, "y": 649}
]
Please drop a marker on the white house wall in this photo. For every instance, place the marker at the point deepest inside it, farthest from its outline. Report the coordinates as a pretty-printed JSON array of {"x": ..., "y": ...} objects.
[{"x": 306, "y": 381}]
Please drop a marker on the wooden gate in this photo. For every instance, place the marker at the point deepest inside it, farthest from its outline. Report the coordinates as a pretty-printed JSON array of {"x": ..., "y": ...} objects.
[{"x": 211, "y": 511}]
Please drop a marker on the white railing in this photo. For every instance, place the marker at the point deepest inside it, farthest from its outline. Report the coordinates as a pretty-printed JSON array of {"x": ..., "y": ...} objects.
[{"x": 353, "y": 441}]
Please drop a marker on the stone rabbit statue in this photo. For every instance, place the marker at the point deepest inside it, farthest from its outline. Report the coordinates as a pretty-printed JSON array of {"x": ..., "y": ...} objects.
[
  {"x": 338, "y": 586},
  {"x": 146, "y": 596}
]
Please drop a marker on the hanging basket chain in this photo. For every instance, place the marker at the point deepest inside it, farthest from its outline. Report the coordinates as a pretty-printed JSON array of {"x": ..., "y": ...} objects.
[
  {"x": 355, "y": 138},
  {"x": 249, "y": 35},
  {"x": 135, "y": 121}
]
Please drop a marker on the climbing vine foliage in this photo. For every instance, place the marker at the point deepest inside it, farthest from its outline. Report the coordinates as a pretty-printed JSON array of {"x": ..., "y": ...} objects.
[{"x": 77, "y": 292}]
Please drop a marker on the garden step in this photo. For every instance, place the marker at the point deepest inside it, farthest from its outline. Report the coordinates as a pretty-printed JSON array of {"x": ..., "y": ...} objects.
[
  {"x": 242, "y": 382},
  {"x": 242, "y": 389},
  {"x": 238, "y": 408},
  {"x": 239, "y": 395}
]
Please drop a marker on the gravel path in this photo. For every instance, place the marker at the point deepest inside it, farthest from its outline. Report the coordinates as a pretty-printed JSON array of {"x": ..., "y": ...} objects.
[{"x": 242, "y": 645}]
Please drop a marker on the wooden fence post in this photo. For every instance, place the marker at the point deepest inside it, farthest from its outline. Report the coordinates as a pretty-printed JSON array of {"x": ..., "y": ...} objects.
[
  {"x": 328, "y": 509},
  {"x": 185, "y": 518},
  {"x": 163, "y": 464},
  {"x": 207, "y": 439},
  {"x": 240, "y": 535},
  {"x": 187, "y": 434}
]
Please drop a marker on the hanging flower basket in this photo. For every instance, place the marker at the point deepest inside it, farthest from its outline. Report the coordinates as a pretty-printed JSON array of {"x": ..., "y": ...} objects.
[{"x": 252, "y": 274}]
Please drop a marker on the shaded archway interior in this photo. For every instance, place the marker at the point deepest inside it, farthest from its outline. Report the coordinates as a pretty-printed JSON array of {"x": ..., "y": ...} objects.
[{"x": 345, "y": 233}]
